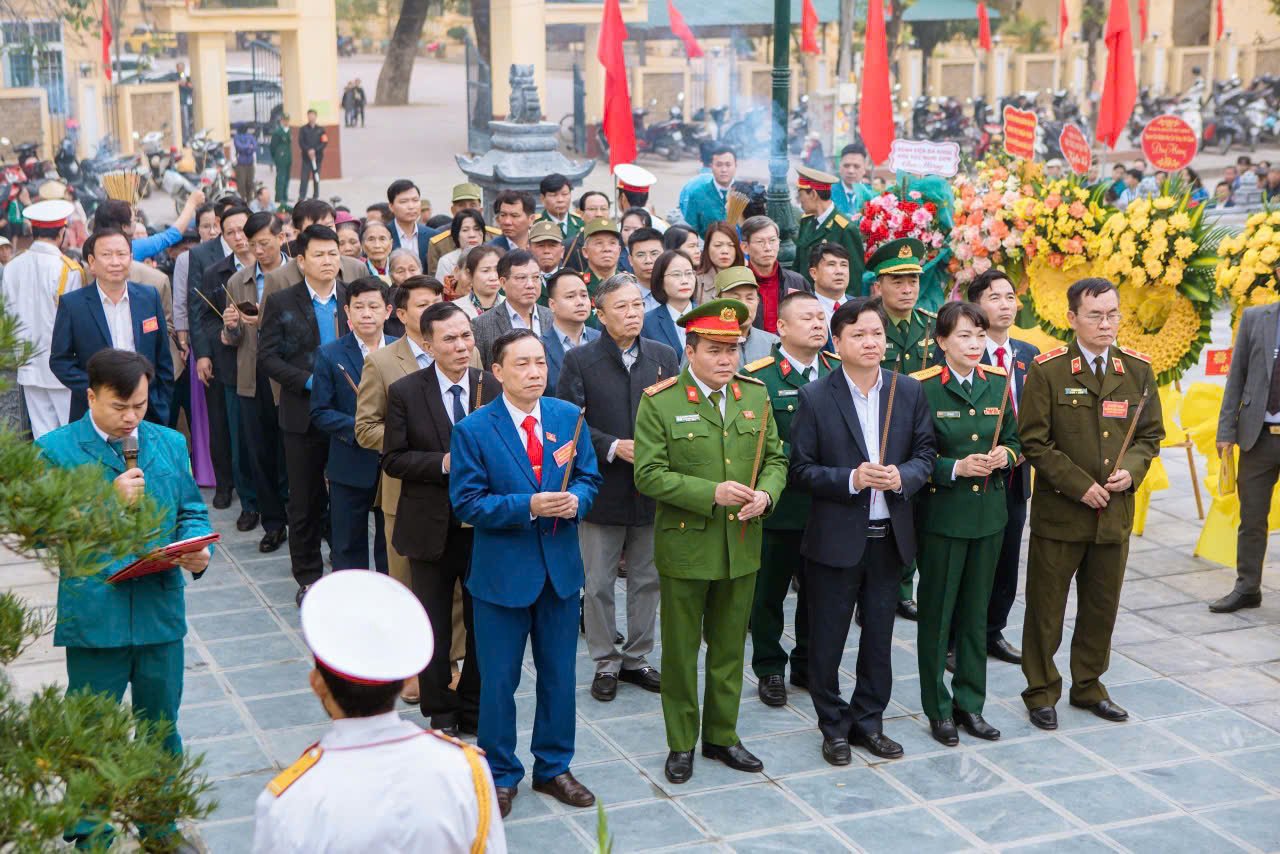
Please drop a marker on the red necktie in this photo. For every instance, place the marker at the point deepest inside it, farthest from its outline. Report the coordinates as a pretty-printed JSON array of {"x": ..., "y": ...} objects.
[
  {"x": 532, "y": 446},
  {"x": 1013, "y": 400}
]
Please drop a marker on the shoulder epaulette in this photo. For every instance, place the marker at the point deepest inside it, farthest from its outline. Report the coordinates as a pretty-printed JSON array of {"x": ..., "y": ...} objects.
[
  {"x": 1052, "y": 354},
  {"x": 456, "y": 742},
  {"x": 300, "y": 766},
  {"x": 806, "y": 216},
  {"x": 760, "y": 363},
  {"x": 1142, "y": 357},
  {"x": 441, "y": 236},
  {"x": 493, "y": 229},
  {"x": 995, "y": 369},
  {"x": 841, "y": 221},
  {"x": 927, "y": 373},
  {"x": 660, "y": 385},
  {"x": 926, "y": 312},
  {"x": 753, "y": 380},
  {"x": 835, "y": 356},
  {"x": 71, "y": 263}
]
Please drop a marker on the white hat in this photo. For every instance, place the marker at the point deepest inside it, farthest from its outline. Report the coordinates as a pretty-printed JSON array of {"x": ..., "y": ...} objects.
[
  {"x": 366, "y": 627},
  {"x": 634, "y": 178},
  {"x": 52, "y": 213},
  {"x": 4, "y": 241}
]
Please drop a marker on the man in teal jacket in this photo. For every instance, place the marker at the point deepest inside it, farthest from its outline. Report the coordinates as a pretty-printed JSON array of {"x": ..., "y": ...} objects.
[{"x": 130, "y": 632}]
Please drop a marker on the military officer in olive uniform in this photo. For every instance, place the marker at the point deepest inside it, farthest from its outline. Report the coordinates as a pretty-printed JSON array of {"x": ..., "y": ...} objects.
[
  {"x": 795, "y": 361},
  {"x": 707, "y": 450},
  {"x": 822, "y": 223},
  {"x": 465, "y": 196},
  {"x": 960, "y": 519},
  {"x": 1076, "y": 408}
]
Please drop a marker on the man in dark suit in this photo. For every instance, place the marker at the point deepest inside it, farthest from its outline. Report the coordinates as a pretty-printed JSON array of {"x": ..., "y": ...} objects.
[
  {"x": 408, "y": 232},
  {"x": 608, "y": 377},
  {"x": 114, "y": 313},
  {"x": 507, "y": 477},
  {"x": 522, "y": 283},
  {"x": 352, "y": 470},
  {"x": 860, "y": 531},
  {"x": 422, "y": 409},
  {"x": 570, "y": 307},
  {"x": 296, "y": 322}
]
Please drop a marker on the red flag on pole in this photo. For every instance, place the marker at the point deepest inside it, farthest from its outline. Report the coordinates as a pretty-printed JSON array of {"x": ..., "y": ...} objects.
[
  {"x": 984, "y": 27},
  {"x": 875, "y": 112},
  {"x": 1143, "y": 15},
  {"x": 619, "y": 129},
  {"x": 106, "y": 39},
  {"x": 1064, "y": 20},
  {"x": 809, "y": 28},
  {"x": 1218, "y": 37},
  {"x": 1119, "y": 89},
  {"x": 681, "y": 30}
]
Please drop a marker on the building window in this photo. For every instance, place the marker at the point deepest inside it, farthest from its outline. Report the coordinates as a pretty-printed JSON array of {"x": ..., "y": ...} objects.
[{"x": 31, "y": 55}]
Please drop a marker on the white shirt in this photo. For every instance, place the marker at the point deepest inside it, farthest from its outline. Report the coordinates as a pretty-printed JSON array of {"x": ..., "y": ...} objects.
[
  {"x": 31, "y": 292},
  {"x": 102, "y": 434},
  {"x": 446, "y": 396},
  {"x": 119, "y": 319},
  {"x": 365, "y": 793},
  {"x": 422, "y": 357},
  {"x": 315, "y": 297},
  {"x": 518, "y": 417},
  {"x": 822, "y": 217},
  {"x": 829, "y": 305},
  {"x": 408, "y": 241},
  {"x": 566, "y": 341},
  {"x": 517, "y": 322},
  {"x": 867, "y": 408},
  {"x": 650, "y": 301},
  {"x": 365, "y": 349},
  {"x": 1007, "y": 347},
  {"x": 706, "y": 392},
  {"x": 676, "y": 315}
]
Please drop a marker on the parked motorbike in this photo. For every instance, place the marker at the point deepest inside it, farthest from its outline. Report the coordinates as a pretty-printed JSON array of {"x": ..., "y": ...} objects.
[{"x": 663, "y": 139}]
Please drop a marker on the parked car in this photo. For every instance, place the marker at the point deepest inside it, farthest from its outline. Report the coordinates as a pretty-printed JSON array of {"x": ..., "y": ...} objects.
[
  {"x": 242, "y": 89},
  {"x": 145, "y": 39}
]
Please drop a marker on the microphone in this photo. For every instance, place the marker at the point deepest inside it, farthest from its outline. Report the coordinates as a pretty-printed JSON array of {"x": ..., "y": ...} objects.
[{"x": 129, "y": 446}]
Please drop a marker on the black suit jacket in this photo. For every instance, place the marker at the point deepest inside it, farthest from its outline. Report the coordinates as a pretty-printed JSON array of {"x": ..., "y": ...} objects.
[
  {"x": 212, "y": 284},
  {"x": 1023, "y": 356},
  {"x": 199, "y": 316},
  {"x": 593, "y": 376},
  {"x": 827, "y": 445},
  {"x": 287, "y": 342},
  {"x": 414, "y": 441}
]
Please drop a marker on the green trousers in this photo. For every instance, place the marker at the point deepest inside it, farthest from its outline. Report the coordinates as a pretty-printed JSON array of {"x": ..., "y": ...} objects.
[
  {"x": 779, "y": 561},
  {"x": 905, "y": 586},
  {"x": 955, "y": 585},
  {"x": 718, "y": 610},
  {"x": 1099, "y": 573},
  {"x": 282, "y": 182}
]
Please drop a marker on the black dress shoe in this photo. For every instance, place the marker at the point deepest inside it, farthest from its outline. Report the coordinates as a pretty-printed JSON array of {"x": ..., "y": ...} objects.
[
  {"x": 1004, "y": 651},
  {"x": 272, "y": 540},
  {"x": 582, "y": 615},
  {"x": 566, "y": 789},
  {"x": 976, "y": 726},
  {"x": 1045, "y": 717},
  {"x": 735, "y": 756},
  {"x": 1234, "y": 601},
  {"x": 647, "y": 678},
  {"x": 679, "y": 766},
  {"x": 907, "y": 610},
  {"x": 247, "y": 522},
  {"x": 604, "y": 687},
  {"x": 506, "y": 794},
  {"x": 944, "y": 732},
  {"x": 1105, "y": 709},
  {"x": 221, "y": 498},
  {"x": 878, "y": 744},
  {"x": 950, "y": 662},
  {"x": 772, "y": 691},
  {"x": 618, "y": 639},
  {"x": 836, "y": 751},
  {"x": 468, "y": 726},
  {"x": 451, "y": 730},
  {"x": 302, "y": 591}
]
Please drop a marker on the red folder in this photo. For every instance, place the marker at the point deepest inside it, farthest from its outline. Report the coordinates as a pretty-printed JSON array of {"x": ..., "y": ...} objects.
[{"x": 158, "y": 560}]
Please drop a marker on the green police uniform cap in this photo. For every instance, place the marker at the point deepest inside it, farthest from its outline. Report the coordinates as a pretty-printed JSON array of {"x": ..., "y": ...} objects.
[
  {"x": 545, "y": 230},
  {"x": 905, "y": 255},
  {"x": 467, "y": 192},
  {"x": 599, "y": 224},
  {"x": 718, "y": 318},
  {"x": 732, "y": 277}
]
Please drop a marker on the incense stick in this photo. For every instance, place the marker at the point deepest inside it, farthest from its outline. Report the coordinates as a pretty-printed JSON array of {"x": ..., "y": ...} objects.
[
  {"x": 1128, "y": 437},
  {"x": 888, "y": 412},
  {"x": 755, "y": 465},
  {"x": 350, "y": 382},
  {"x": 1004, "y": 405},
  {"x": 573, "y": 456}
]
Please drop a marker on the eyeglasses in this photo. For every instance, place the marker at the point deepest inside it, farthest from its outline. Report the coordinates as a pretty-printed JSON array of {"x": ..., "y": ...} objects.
[
  {"x": 764, "y": 243},
  {"x": 680, "y": 275},
  {"x": 647, "y": 256},
  {"x": 1095, "y": 318}
]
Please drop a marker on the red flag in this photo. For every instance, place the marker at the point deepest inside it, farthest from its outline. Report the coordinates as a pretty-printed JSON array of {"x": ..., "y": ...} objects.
[
  {"x": 1143, "y": 14},
  {"x": 809, "y": 28},
  {"x": 1119, "y": 89},
  {"x": 1218, "y": 37},
  {"x": 1064, "y": 21},
  {"x": 681, "y": 30},
  {"x": 875, "y": 112},
  {"x": 106, "y": 39},
  {"x": 984, "y": 27},
  {"x": 619, "y": 129}
]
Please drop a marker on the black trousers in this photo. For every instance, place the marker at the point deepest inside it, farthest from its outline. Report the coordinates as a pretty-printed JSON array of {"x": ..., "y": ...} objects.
[
  {"x": 305, "y": 456},
  {"x": 309, "y": 174},
  {"x": 871, "y": 584},
  {"x": 1005, "y": 587},
  {"x": 349, "y": 508},
  {"x": 433, "y": 584},
  {"x": 260, "y": 425},
  {"x": 219, "y": 435}
]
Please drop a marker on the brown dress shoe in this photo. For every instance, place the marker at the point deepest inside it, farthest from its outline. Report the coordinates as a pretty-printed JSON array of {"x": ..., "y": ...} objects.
[
  {"x": 567, "y": 790},
  {"x": 506, "y": 794}
]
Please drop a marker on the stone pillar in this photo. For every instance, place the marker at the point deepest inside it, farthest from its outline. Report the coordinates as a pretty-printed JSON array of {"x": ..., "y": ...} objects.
[
  {"x": 518, "y": 36},
  {"x": 208, "y": 58},
  {"x": 592, "y": 75},
  {"x": 310, "y": 80}
]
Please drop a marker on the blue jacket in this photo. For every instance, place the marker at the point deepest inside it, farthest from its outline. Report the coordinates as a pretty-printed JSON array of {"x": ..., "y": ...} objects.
[
  {"x": 850, "y": 204},
  {"x": 153, "y": 244},
  {"x": 80, "y": 330},
  {"x": 704, "y": 176},
  {"x": 705, "y": 206},
  {"x": 424, "y": 241},
  {"x": 333, "y": 410},
  {"x": 555, "y": 352},
  {"x": 490, "y": 486},
  {"x": 151, "y": 609},
  {"x": 658, "y": 326}
]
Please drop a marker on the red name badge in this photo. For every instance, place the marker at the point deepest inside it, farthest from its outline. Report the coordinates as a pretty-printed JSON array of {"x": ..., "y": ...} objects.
[
  {"x": 150, "y": 325},
  {"x": 1115, "y": 409}
]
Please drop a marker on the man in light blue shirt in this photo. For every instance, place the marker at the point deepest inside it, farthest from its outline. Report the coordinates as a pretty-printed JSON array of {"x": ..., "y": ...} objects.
[{"x": 119, "y": 215}]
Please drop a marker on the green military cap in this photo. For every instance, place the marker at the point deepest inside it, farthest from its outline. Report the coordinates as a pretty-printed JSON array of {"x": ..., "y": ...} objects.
[
  {"x": 467, "y": 192},
  {"x": 601, "y": 224},
  {"x": 732, "y": 277},
  {"x": 814, "y": 179},
  {"x": 544, "y": 230},
  {"x": 717, "y": 318},
  {"x": 905, "y": 255}
]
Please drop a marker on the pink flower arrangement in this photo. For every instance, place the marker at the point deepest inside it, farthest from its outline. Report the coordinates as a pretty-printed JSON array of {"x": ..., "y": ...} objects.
[
  {"x": 991, "y": 215},
  {"x": 888, "y": 217}
]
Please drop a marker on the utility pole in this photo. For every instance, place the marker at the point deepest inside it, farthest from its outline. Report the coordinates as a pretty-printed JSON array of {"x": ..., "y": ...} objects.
[{"x": 778, "y": 196}]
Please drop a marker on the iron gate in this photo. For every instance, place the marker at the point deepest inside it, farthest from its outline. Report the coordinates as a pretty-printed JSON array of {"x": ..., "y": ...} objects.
[
  {"x": 479, "y": 101},
  {"x": 268, "y": 92}
]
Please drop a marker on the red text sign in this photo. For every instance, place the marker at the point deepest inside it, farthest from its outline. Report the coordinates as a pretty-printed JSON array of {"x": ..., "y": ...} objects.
[
  {"x": 1019, "y": 133},
  {"x": 1218, "y": 363},
  {"x": 1075, "y": 149},
  {"x": 1168, "y": 143}
]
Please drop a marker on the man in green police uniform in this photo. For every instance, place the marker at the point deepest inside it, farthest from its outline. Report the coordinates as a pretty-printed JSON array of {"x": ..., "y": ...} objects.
[
  {"x": 281, "y": 147},
  {"x": 708, "y": 531},
  {"x": 822, "y": 223},
  {"x": 795, "y": 361},
  {"x": 601, "y": 248},
  {"x": 557, "y": 206}
]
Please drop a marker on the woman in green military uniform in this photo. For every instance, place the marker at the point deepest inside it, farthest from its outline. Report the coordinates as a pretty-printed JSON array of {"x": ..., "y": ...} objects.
[{"x": 961, "y": 519}]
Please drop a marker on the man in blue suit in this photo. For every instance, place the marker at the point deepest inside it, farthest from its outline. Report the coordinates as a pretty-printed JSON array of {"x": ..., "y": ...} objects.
[
  {"x": 707, "y": 200},
  {"x": 114, "y": 313},
  {"x": 407, "y": 232},
  {"x": 351, "y": 469},
  {"x": 507, "y": 464},
  {"x": 570, "y": 307},
  {"x": 129, "y": 634}
]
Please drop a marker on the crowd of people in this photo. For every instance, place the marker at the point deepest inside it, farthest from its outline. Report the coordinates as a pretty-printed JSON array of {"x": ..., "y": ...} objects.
[{"x": 527, "y": 400}]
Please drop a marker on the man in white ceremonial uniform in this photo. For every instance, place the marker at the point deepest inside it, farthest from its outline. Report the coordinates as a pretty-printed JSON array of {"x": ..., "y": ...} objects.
[
  {"x": 33, "y": 283},
  {"x": 375, "y": 782}
]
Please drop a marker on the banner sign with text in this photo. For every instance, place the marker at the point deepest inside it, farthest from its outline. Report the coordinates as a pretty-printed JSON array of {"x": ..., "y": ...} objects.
[
  {"x": 1075, "y": 149},
  {"x": 1168, "y": 143},
  {"x": 924, "y": 158},
  {"x": 1020, "y": 133}
]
